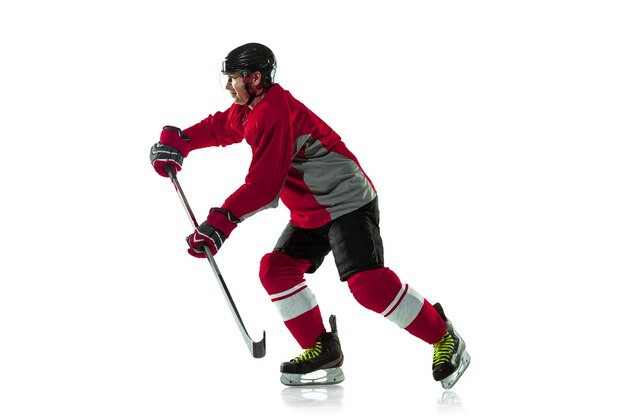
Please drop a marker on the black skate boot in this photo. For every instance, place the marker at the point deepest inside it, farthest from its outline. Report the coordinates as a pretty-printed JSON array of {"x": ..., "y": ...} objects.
[
  {"x": 450, "y": 359},
  {"x": 319, "y": 365}
]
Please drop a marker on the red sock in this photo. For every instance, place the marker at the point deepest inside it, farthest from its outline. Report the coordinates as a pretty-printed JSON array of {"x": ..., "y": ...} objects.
[
  {"x": 283, "y": 278},
  {"x": 307, "y": 327},
  {"x": 380, "y": 290}
]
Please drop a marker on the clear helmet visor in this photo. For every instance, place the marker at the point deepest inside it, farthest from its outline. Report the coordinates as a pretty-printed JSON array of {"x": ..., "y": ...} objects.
[
  {"x": 229, "y": 79},
  {"x": 230, "y": 75}
]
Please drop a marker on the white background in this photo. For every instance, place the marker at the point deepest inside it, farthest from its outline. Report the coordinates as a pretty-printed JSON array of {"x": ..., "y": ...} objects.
[{"x": 494, "y": 132}]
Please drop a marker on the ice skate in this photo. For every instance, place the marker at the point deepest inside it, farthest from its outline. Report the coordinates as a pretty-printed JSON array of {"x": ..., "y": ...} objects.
[
  {"x": 319, "y": 365},
  {"x": 450, "y": 359}
]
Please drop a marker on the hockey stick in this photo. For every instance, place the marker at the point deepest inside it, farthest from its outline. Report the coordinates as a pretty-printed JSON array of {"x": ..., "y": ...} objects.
[{"x": 256, "y": 348}]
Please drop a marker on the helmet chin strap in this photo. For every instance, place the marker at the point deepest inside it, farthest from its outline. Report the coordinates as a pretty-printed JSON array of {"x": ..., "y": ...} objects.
[
  {"x": 252, "y": 97},
  {"x": 246, "y": 82}
]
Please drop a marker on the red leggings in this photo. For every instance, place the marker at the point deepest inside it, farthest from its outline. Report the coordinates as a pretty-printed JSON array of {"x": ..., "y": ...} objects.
[{"x": 379, "y": 290}]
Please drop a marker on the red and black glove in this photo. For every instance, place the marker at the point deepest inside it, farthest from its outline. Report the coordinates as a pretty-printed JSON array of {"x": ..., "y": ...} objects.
[
  {"x": 212, "y": 232},
  {"x": 173, "y": 147}
]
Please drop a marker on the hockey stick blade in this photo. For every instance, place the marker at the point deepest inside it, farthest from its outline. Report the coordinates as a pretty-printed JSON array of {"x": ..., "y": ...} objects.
[{"x": 257, "y": 349}]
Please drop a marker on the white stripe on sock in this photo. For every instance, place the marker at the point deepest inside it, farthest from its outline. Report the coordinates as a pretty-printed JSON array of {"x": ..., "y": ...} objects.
[
  {"x": 405, "y": 307},
  {"x": 292, "y": 306}
]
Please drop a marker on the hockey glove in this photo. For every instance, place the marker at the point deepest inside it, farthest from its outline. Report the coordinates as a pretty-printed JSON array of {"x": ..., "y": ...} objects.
[
  {"x": 212, "y": 232},
  {"x": 170, "y": 150}
]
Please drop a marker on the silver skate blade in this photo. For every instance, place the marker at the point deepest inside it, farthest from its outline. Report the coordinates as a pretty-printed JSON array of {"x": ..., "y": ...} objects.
[
  {"x": 320, "y": 377},
  {"x": 449, "y": 382}
]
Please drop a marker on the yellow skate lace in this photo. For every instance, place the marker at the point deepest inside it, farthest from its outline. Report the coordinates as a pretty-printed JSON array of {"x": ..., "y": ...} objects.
[
  {"x": 443, "y": 350},
  {"x": 310, "y": 353}
]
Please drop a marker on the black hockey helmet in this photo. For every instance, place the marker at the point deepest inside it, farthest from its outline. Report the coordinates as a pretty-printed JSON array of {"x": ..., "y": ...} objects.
[{"x": 251, "y": 57}]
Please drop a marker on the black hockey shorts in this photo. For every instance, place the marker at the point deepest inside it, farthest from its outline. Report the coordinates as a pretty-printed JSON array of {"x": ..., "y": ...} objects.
[{"x": 354, "y": 239}]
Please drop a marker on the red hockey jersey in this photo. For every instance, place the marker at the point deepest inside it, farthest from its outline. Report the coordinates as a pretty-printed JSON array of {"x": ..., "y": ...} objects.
[{"x": 295, "y": 156}]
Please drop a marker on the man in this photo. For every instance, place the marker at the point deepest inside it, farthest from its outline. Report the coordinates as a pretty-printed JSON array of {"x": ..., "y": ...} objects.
[{"x": 334, "y": 207}]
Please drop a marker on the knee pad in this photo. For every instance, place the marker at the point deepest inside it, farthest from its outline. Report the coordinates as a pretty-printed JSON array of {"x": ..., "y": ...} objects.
[
  {"x": 375, "y": 289},
  {"x": 279, "y": 271}
]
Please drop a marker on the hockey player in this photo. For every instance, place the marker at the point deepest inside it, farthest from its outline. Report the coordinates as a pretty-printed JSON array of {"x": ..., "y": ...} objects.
[{"x": 299, "y": 159}]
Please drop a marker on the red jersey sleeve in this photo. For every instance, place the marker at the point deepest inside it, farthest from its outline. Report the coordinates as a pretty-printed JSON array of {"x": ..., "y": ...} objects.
[{"x": 219, "y": 129}]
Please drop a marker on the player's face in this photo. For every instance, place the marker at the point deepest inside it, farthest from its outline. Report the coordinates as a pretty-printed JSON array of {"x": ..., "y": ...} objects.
[{"x": 237, "y": 89}]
